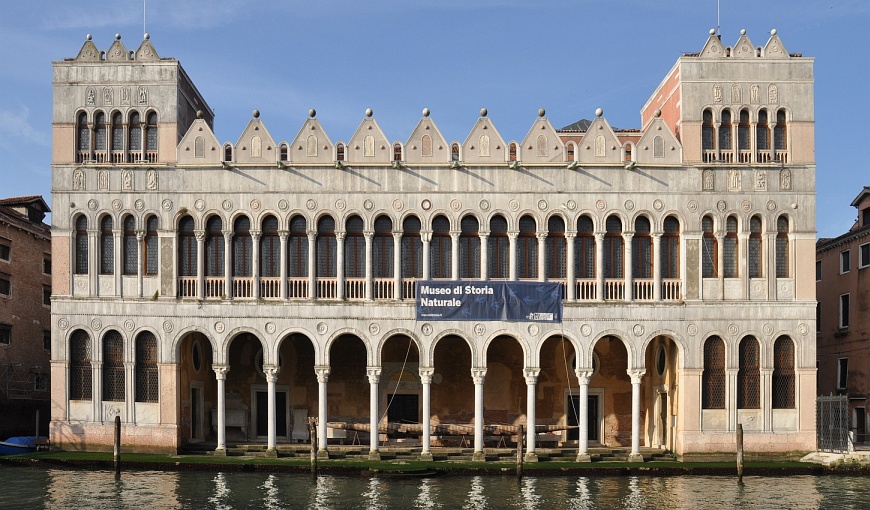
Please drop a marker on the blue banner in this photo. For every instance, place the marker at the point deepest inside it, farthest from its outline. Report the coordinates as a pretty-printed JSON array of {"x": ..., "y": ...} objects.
[{"x": 443, "y": 300}]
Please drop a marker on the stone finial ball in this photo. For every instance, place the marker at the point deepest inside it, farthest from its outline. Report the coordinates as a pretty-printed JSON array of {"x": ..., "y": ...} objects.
[
  {"x": 89, "y": 37},
  {"x": 483, "y": 112},
  {"x": 369, "y": 112},
  {"x": 773, "y": 32},
  {"x": 147, "y": 36},
  {"x": 118, "y": 36},
  {"x": 256, "y": 114},
  {"x": 312, "y": 112},
  {"x": 742, "y": 31},
  {"x": 425, "y": 112},
  {"x": 199, "y": 114},
  {"x": 657, "y": 113},
  {"x": 712, "y": 31},
  {"x": 599, "y": 112},
  {"x": 541, "y": 112}
]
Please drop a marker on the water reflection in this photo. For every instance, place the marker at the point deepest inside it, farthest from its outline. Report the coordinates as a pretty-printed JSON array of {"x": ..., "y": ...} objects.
[
  {"x": 527, "y": 492},
  {"x": 476, "y": 499},
  {"x": 220, "y": 493},
  {"x": 321, "y": 493},
  {"x": 427, "y": 495}
]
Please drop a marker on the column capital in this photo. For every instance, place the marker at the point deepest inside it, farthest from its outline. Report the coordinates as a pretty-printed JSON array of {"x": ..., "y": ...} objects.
[
  {"x": 312, "y": 235},
  {"x": 599, "y": 235},
  {"x": 374, "y": 374},
  {"x": 656, "y": 235},
  {"x": 228, "y": 234},
  {"x": 397, "y": 235},
  {"x": 220, "y": 371},
  {"x": 339, "y": 236},
  {"x": 454, "y": 234},
  {"x": 542, "y": 236},
  {"x": 636, "y": 374},
  {"x": 200, "y": 235},
  {"x": 583, "y": 375},
  {"x": 513, "y": 234},
  {"x": 284, "y": 234},
  {"x": 271, "y": 373},
  {"x": 140, "y": 235},
  {"x": 478, "y": 374},
  {"x": 255, "y": 234},
  {"x": 426, "y": 236},
  {"x": 570, "y": 235},
  {"x": 531, "y": 375},
  {"x": 627, "y": 235},
  {"x": 426, "y": 374},
  {"x": 369, "y": 234},
  {"x": 322, "y": 373}
]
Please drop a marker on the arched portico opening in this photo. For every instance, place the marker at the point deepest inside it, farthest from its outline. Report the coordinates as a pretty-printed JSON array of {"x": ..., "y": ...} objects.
[
  {"x": 557, "y": 389},
  {"x": 611, "y": 384},
  {"x": 296, "y": 376},
  {"x": 348, "y": 388},
  {"x": 401, "y": 396},
  {"x": 197, "y": 390},
  {"x": 452, "y": 388},
  {"x": 504, "y": 393},
  {"x": 660, "y": 392},
  {"x": 245, "y": 382}
]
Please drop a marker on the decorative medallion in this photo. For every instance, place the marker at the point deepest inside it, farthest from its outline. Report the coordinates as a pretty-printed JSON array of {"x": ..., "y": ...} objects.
[
  {"x": 768, "y": 329},
  {"x": 340, "y": 204},
  {"x": 484, "y": 205},
  {"x": 692, "y": 205},
  {"x": 543, "y": 205},
  {"x": 311, "y": 204},
  {"x": 534, "y": 329},
  {"x": 586, "y": 330},
  {"x": 426, "y": 329},
  {"x": 479, "y": 329},
  {"x": 219, "y": 327},
  {"x": 455, "y": 204},
  {"x": 81, "y": 284},
  {"x": 368, "y": 205},
  {"x": 166, "y": 204},
  {"x": 803, "y": 329},
  {"x": 637, "y": 329},
  {"x": 746, "y": 205},
  {"x": 96, "y": 324},
  {"x": 629, "y": 205},
  {"x": 63, "y": 324},
  {"x": 771, "y": 205},
  {"x": 658, "y": 205},
  {"x": 514, "y": 205},
  {"x": 129, "y": 325},
  {"x": 116, "y": 205},
  {"x": 692, "y": 330},
  {"x": 571, "y": 205},
  {"x": 227, "y": 204},
  {"x": 398, "y": 205},
  {"x": 600, "y": 205},
  {"x": 92, "y": 204},
  {"x": 168, "y": 326},
  {"x": 426, "y": 204},
  {"x": 255, "y": 205},
  {"x": 721, "y": 206},
  {"x": 139, "y": 204},
  {"x": 733, "y": 329},
  {"x": 283, "y": 204},
  {"x": 270, "y": 327},
  {"x": 322, "y": 328},
  {"x": 199, "y": 205}
]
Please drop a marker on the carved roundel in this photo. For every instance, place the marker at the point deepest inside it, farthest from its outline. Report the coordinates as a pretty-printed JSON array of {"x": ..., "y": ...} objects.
[
  {"x": 746, "y": 205},
  {"x": 484, "y": 205},
  {"x": 322, "y": 328},
  {"x": 92, "y": 204},
  {"x": 571, "y": 205},
  {"x": 129, "y": 325},
  {"x": 283, "y": 204},
  {"x": 600, "y": 205},
  {"x": 199, "y": 205},
  {"x": 629, "y": 205},
  {"x": 771, "y": 205},
  {"x": 374, "y": 328},
  {"x": 220, "y": 327},
  {"x": 692, "y": 329},
  {"x": 426, "y": 329},
  {"x": 368, "y": 205},
  {"x": 270, "y": 327},
  {"x": 227, "y": 205},
  {"x": 168, "y": 326},
  {"x": 543, "y": 205},
  {"x": 63, "y": 324},
  {"x": 96, "y": 324},
  {"x": 166, "y": 204},
  {"x": 733, "y": 329},
  {"x": 637, "y": 329},
  {"x": 479, "y": 329},
  {"x": 803, "y": 329},
  {"x": 692, "y": 205},
  {"x": 586, "y": 330},
  {"x": 256, "y": 204},
  {"x": 768, "y": 329},
  {"x": 426, "y": 204},
  {"x": 534, "y": 329},
  {"x": 311, "y": 204},
  {"x": 514, "y": 205},
  {"x": 658, "y": 205},
  {"x": 340, "y": 204},
  {"x": 721, "y": 206},
  {"x": 139, "y": 204},
  {"x": 455, "y": 204},
  {"x": 398, "y": 205},
  {"x": 116, "y": 204}
]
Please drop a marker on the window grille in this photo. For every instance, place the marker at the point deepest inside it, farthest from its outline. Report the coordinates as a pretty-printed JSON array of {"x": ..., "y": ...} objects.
[
  {"x": 469, "y": 248},
  {"x": 228, "y": 152},
  {"x": 412, "y": 248},
  {"x": 131, "y": 246},
  {"x": 354, "y": 249},
  {"x": 151, "y": 132},
  {"x": 713, "y": 378},
  {"x": 584, "y": 249},
  {"x": 762, "y": 132},
  {"x": 5, "y": 284},
  {"x": 135, "y": 132},
  {"x": 527, "y": 249},
  {"x": 498, "y": 249},
  {"x": 556, "y": 248},
  {"x": 642, "y": 249},
  {"x": 113, "y": 367},
  {"x": 80, "y": 372},
  {"x": 214, "y": 247},
  {"x": 709, "y": 255},
  {"x": 780, "y": 142},
  {"x": 725, "y": 131},
  {"x": 270, "y": 249},
  {"x": 670, "y": 248},
  {"x": 613, "y": 248},
  {"x": 339, "y": 152},
  {"x": 297, "y": 246},
  {"x": 117, "y": 132},
  {"x": 782, "y": 247},
  {"x": 755, "y": 247},
  {"x": 187, "y": 247},
  {"x": 147, "y": 387},
  {"x": 783, "y": 374},
  {"x": 326, "y": 246},
  {"x": 107, "y": 246},
  {"x": 382, "y": 248},
  {"x": 151, "y": 245},
  {"x": 743, "y": 131},
  {"x": 84, "y": 133},
  {"x": 707, "y": 131},
  {"x": 730, "y": 252},
  {"x": 242, "y": 247},
  {"x": 100, "y": 132},
  {"x": 748, "y": 375},
  {"x": 440, "y": 249}
]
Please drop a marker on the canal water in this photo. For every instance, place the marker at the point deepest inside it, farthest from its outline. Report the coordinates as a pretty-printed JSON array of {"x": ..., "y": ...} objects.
[{"x": 154, "y": 490}]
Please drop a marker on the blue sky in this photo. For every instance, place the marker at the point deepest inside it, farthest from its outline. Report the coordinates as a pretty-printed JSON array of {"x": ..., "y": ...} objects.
[{"x": 452, "y": 56}]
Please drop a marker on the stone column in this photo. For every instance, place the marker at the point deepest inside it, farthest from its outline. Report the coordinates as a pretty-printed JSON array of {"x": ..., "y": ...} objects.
[
  {"x": 627, "y": 236},
  {"x": 743, "y": 263},
  {"x": 220, "y": 372},
  {"x": 769, "y": 263},
  {"x": 657, "y": 265},
  {"x": 478, "y": 375},
  {"x": 542, "y": 256},
  {"x": 512, "y": 255},
  {"x": 583, "y": 377},
  {"x": 531, "y": 375},
  {"x": 94, "y": 262},
  {"x": 228, "y": 264},
  {"x": 255, "y": 264},
  {"x": 271, "y": 373},
  {"x": 484, "y": 256},
  {"x": 570, "y": 274},
  {"x": 97, "y": 387},
  {"x": 200, "y": 264},
  {"x": 282, "y": 236},
  {"x": 312, "y": 264},
  {"x": 374, "y": 374},
  {"x": 426, "y": 374},
  {"x": 426, "y": 238},
  {"x": 731, "y": 397},
  {"x": 636, "y": 377},
  {"x": 339, "y": 265},
  {"x": 397, "y": 266},
  {"x": 369, "y": 293},
  {"x": 130, "y": 391},
  {"x": 140, "y": 258},
  {"x": 599, "y": 265},
  {"x": 322, "y": 378},
  {"x": 454, "y": 254},
  {"x": 766, "y": 398}
]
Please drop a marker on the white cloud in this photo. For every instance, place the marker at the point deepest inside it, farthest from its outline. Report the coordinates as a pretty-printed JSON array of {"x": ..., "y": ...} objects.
[{"x": 15, "y": 129}]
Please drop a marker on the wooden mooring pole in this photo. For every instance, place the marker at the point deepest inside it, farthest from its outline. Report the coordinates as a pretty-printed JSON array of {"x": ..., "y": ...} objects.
[
  {"x": 740, "y": 452},
  {"x": 117, "y": 451},
  {"x": 520, "y": 444},
  {"x": 312, "y": 431}
]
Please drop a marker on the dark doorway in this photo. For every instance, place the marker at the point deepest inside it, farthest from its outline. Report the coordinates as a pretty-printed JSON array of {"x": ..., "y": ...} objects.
[
  {"x": 664, "y": 417},
  {"x": 263, "y": 414},
  {"x": 592, "y": 415},
  {"x": 860, "y": 425},
  {"x": 403, "y": 408},
  {"x": 196, "y": 413}
]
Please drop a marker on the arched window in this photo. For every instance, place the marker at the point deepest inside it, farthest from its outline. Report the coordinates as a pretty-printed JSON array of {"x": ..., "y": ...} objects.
[
  {"x": 713, "y": 377},
  {"x": 83, "y": 137},
  {"x": 150, "y": 262},
  {"x": 440, "y": 249},
  {"x": 80, "y": 373},
  {"x": 498, "y": 249},
  {"x": 454, "y": 152},
  {"x": 762, "y": 132},
  {"x": 725, "y": 131},
  {"x": 412, "y": 248},
  {"x": 613, "y": 248},
  {"x": 707, "y": 131},
  {"x": 107, "y": 246},
  {"x": 270, "y": 249},
  {"x": 214, "y": 247},
  {"x": 397, "y": 151},
  {"x": 670, "y": 249},
  {"x": 100, "y": 133},
  {"x": 743, "y": 135},
  {"x": 710, "y": 248},
  {"x": 755, "y": 247},
  {"x": 326, "y": 247},
  {"x": 730, "y": 248},
  {"x": 782, "y": 270},
  {"x": 242, "y": 247},
  {"x": 627, "y": 152},
  {"x": 131, "y": 246},
  {"x": 151, "y": 132},
  {"x": 339, "y": 152},
  {"x": 469, "y": 248},
  {"x": 783, "y": 374},
  {"x": 642, "y": 251},
  {"x": 382, "y": 248},
  {"x": 187, "y": 247},
  {"x": 512, "y": 152},
  {"x": 81, "y": 266},
  {"x": 354, "y": 248},
  {"x": 228, "y": 153},
  {"x": 569, "y": 152},
  {"x": 283, "y": 152},
  {"x": 117, "y": 132},
  {"x": 749, "y": 375},
  {"x": 147, "y": 385},
  {"x": 584, "y": 249},
  {"x": 556, "y": 249},
  {"x": 780, "y": 140},
  {"x": 297, "y": 247},
  {"x": 135, "y": 138},
  {"x": 527, "y": 249},
  {"x": 113, "y": 367}
]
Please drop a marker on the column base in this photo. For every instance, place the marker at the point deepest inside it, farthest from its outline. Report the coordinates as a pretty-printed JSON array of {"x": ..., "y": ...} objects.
[
  {"x": 220, "y": 452},
  {"x": 530, "y": 457},
  {"x": 478, "y": 457},
  {"x": 322, "y": 454},
  {"x": 635, "y": 457},
  {"x": 427, "y": 456},
  {"x": 583, "y": 457},
  {"x": 271, "y": 453},
  {"x": 374, "y": 455}
]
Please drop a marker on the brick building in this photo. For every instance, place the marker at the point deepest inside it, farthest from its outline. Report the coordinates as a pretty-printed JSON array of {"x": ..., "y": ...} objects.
[{"x": 25, "y": 315}]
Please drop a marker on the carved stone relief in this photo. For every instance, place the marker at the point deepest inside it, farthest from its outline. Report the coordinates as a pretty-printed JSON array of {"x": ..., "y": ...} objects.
[
  {"x": 78, "y": 179},
  {"x": 708, "y": 181},
  {"x": 733, "y": 180},
  {"x": 151, "y": 179},
  {"x": 103, "y": 180},
  {"x": 143, "y": 95},
  {"x": 127, "y": 180},
  {"x": 785, "y": 179},
  {"x": 717, "y": 93},
  {"x": 760, "y": 180}
]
